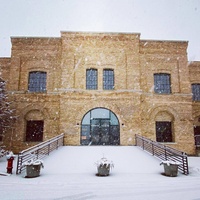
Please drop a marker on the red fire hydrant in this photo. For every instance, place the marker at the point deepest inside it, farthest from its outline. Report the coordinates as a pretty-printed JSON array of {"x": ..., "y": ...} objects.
[{"x": 10, "y": 157}]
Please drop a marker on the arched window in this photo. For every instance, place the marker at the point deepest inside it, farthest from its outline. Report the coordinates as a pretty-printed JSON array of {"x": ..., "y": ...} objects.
[
  {"x": 100, "y": 126},
  {"x": 37, "y": 81}
]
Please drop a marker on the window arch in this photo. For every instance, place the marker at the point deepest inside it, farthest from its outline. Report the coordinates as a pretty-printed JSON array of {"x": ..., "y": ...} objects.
[{"x": 100, "y": 126}]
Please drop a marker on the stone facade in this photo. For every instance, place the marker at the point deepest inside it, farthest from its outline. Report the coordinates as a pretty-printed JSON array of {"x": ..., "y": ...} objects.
[{"x": 133, "y": 100}]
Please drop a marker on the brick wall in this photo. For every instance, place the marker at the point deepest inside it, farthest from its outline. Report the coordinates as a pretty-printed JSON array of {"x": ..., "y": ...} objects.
[{"x": 133, "y": 100}]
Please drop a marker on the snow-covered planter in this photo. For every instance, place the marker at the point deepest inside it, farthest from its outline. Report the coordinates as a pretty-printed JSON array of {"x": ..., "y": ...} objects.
[
  {"x": 104, "y": 166},
  {"x": 33, "y": 168},
  {"x": 10, "y": 155},
  {"x": 170, "y": 167}
]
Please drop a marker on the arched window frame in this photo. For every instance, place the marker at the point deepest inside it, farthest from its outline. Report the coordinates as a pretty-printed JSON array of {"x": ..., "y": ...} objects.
[{"x": 89, "y": 121}]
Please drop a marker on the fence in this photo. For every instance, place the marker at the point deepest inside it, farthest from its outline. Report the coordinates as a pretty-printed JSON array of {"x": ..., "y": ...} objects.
[
  {"x": 38, "y": 151},
  {"x": 163, "y": 152}
]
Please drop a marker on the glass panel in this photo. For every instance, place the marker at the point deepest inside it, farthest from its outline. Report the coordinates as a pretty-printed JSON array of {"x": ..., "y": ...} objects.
[
  {"x": 162, "y": 83},
  {"x": 37, "y": 82},
  {"x": 163, "y": 132},
  {"x": 108, "y": 79},
  {"x": 197, "y": 135},
  {"x": 85, "y": 137},
  {"x": 34, "y": 131},
  {"x": 86, "y": 119},
  {"x": 196, "y": 92},
  {"x": 100, "y": 113},
  {"x": 91, "y": 79},
  {"x": 113, "y": 119},
  {"x": 114, "y": 135}
]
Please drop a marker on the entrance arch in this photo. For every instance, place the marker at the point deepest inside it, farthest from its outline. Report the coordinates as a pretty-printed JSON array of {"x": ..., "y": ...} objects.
[{"x": 100, "y": 126}]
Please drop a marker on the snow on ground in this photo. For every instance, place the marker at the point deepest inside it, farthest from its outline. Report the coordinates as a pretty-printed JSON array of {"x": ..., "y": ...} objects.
[{"x": 70, "y": 174}]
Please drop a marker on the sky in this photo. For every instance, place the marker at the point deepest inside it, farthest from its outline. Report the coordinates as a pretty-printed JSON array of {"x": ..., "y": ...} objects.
[{"x": 153, "y": 19}]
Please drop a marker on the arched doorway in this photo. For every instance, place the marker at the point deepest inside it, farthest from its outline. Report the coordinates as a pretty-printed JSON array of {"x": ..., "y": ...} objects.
[{"x": 100, "y": 126}]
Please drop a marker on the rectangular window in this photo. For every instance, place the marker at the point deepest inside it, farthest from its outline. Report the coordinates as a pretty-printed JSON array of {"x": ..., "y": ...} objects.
[
  {"x": 196, "y": 92},
  {"x": 91, "y": 79},
  {"x": 163, "y": 131},
  {"x": 108, "y": 79},
  {"x": 162, "y": 83},
  {"x": 37, "y": 82},
  {"x": 197, "y": 135},
  {"x": 34, "y": 130},
  {"x": 1, "y": 128}
]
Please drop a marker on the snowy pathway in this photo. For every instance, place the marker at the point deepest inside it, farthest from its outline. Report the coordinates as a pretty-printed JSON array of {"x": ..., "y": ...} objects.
[{"x": 69, "y": 174}]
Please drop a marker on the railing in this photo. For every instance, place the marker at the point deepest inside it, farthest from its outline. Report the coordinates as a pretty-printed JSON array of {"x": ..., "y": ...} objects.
[
  {"x": 197, "y": 140},
  {"x": 163, "y": 152},
  {"x": 38, "y": 151}
]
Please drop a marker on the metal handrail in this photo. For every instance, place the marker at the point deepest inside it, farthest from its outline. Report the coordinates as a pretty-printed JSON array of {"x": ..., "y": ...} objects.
[
  {"x": 163, "y": 152},
  {"x": 38, "y": 151}
]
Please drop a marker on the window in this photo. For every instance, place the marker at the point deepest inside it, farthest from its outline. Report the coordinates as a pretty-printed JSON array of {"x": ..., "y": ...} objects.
[
  {"x": 108, "y": 79},
  {"x": 91, "y": 79},
  {"x": 1, "y": 134},
  {"x": 163, "y": 131},
  {"x": 34, "y": 130},
  {"x": 100, "y": 126},
  {"x": 197, "y": 135},
  {"x": 37, "y": 82},
  {"x": 196, "y": 92},
  {"x": 162, "y": 83}
]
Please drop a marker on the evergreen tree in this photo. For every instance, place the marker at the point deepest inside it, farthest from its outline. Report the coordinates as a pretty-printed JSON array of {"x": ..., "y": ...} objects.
[{"x": 6, "y": 112}]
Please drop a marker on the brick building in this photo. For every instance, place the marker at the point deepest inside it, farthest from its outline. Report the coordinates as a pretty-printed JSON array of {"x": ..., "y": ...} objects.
[{"x": 102, "y": 89}]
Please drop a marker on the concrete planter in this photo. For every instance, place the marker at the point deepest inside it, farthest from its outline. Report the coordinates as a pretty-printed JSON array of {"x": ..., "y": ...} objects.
[
  {"x": 33, "y": 168},
  {"x": 103, "y": 170},
  {"x": 103, "y": 167},
  {"x": 170, "y": 168}
]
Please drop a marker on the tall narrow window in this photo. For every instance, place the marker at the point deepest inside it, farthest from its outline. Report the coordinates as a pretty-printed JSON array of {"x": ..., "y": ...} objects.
[
  {"x": 91, "y": 79},
  {"x": 163, "y": 131},
  {"x": 34, "y": 130},
  {"x": 1, "y": 134},
  {"x": 197, "y": 135},
  {"x": 108, "y": 79},
  {"x": 162, "y": 83},
  {"x": 196, "y": 92},
  {"x": 37, "y": 81}
]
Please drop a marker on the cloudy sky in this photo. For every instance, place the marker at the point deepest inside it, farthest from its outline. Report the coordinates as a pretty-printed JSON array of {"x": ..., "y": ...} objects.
[{"x": 154, "y": 19}]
